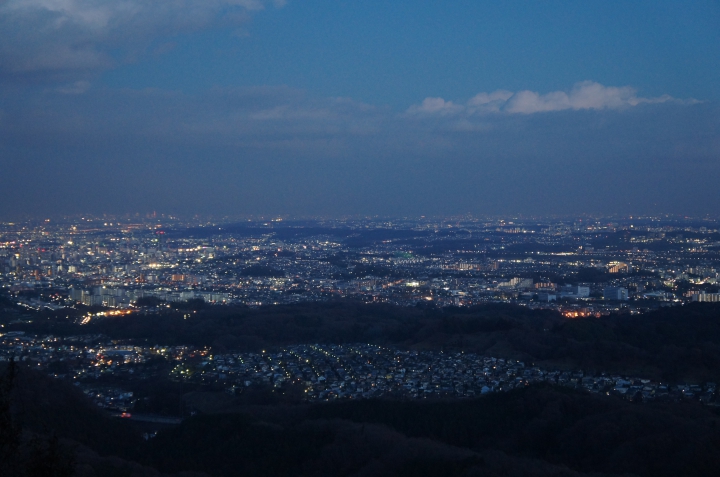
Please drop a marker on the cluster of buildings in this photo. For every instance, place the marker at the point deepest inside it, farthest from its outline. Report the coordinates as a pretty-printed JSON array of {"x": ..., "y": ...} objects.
[
  {"x": 598, "y": 265},
  {"x": 119, "y": 297},
  {"x": 361, "y": 371}
]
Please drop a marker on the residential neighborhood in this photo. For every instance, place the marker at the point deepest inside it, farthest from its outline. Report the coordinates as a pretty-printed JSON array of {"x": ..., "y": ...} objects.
[{"x": 323, "y": 372}]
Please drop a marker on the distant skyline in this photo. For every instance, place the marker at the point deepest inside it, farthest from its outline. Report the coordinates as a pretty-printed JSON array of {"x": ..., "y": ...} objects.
[{"x": 232, "y": 107}]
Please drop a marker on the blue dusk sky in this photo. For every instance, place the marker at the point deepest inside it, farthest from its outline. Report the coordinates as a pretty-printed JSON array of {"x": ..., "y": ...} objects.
[{"x": 303, "y": 107}]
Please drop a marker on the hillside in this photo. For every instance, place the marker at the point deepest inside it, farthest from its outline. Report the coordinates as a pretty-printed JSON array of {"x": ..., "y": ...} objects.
[{"x": 541, "y": 430}]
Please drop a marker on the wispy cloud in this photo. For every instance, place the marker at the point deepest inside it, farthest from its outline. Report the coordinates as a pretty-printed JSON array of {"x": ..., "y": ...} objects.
[
  {"x": 584, "y": 95},
  {"x": 67, "y": 40}
]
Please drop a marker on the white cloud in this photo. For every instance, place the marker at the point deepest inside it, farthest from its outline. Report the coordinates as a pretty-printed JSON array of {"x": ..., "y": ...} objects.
[
  {"x": 584, "y": 95},
  {"x": 531, "y": 102},
  {"x": 489, "y": 101},
  {"x": 67, "y": 39}
]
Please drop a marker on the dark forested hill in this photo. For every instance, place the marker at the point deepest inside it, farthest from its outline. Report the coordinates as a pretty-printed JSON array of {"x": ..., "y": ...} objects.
[
  {"x": 537, "y": 431},
  {"x": 48, "y": 428},
  {"x": 540, "y": 430}
]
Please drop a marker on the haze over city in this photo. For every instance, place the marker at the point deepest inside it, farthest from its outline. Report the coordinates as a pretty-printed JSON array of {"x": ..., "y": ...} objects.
[{"x": 336, "y": 108}]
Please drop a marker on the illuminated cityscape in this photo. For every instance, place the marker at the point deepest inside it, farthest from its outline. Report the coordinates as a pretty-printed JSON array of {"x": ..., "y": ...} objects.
[
  {"x": 315, "y": 238},
  {"x": 583, "y": 267},
  {"x": 94, "y": 269}
]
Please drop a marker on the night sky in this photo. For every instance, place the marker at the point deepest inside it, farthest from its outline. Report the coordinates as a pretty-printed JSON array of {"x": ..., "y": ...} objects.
[{"x": 310, "y": 107}]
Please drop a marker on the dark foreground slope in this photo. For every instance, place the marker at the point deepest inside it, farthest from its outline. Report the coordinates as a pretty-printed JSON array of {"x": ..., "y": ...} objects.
[
  {"x": 44, "y": 405},
  {"x": 48, "y": 428},
  {"x": 584, "y": 431},
  {"x": 535, "y": 431}
]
